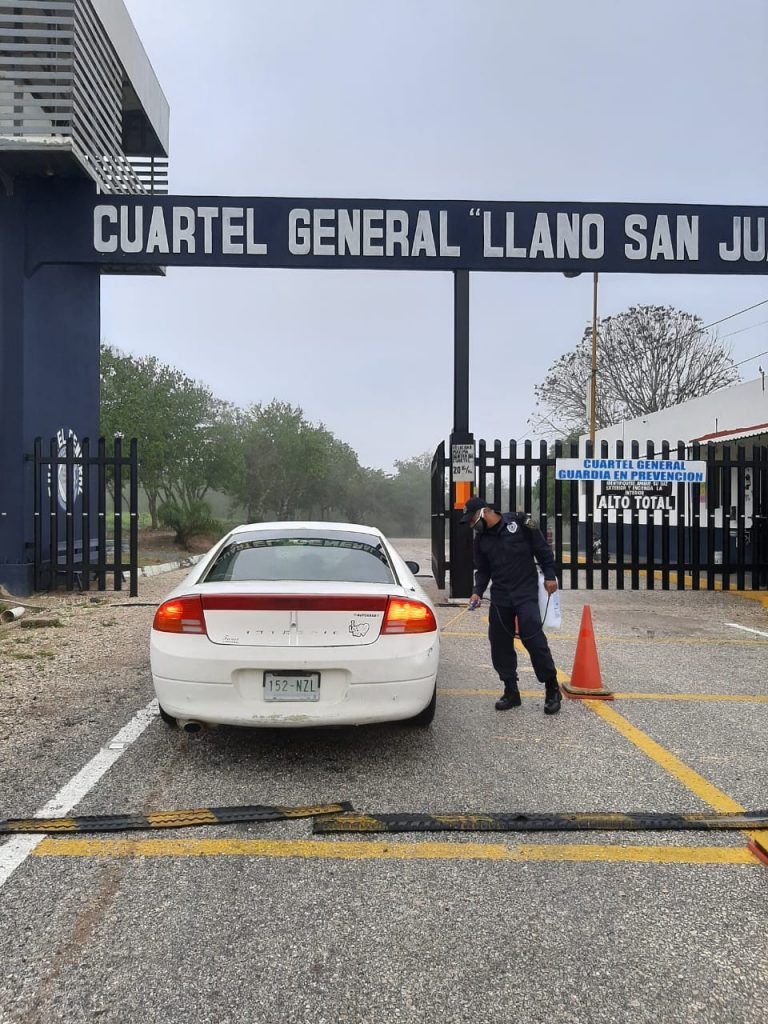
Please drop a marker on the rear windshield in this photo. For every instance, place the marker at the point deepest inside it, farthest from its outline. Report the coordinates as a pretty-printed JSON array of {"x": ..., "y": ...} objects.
[{"x": 340, "y": 558}]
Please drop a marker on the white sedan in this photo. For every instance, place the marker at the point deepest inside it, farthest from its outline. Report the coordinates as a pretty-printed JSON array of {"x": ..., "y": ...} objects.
[{"x": 297, "y": 624}]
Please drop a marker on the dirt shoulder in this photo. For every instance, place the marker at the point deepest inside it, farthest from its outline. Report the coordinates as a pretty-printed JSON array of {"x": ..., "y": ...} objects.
[{"x": 67, "y": 688}]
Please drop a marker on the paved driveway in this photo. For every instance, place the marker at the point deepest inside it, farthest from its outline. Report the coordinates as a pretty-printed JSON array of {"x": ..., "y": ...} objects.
[{"x": 266, "y": 923}]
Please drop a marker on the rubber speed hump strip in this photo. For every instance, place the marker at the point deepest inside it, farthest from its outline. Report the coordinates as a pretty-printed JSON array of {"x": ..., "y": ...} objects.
[
  {"x": 167, "y": 819},
  {"x": 593, "y": 822}
]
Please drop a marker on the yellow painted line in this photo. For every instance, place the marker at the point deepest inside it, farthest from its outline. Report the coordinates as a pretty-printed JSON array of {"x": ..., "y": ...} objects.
[
  {"x": 469, "y": 692},
  {"x": 713, "y": 697},
  {"x": 454, "y": 619},
  {"x": 751, "y": 595},
  {"x": 722, "y": 697},
  {"x": 726, "y": 641},
  {"x": 308, "y": 849},
  {"x": 692, "y": 781},
  {"x": 689, "y": 778},
  {"x": 673, "y": 640}
]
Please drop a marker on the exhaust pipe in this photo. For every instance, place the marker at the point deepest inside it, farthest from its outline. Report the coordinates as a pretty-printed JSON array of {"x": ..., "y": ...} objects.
[{"x": 189, "y": 724}]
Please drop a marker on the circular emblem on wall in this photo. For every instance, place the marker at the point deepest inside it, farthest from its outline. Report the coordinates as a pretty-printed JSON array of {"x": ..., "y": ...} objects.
[{"x": 62, "y": 436}]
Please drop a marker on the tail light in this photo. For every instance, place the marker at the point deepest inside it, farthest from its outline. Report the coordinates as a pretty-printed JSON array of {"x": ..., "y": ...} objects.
[
  {"x": 404, "y": 616},
  {"x": 180, "y": 615}
]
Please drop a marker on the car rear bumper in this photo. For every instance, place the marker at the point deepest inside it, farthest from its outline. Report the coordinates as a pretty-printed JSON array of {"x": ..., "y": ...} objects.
[
  {"x": 358, "y": 704},
  {"x": 357, "y": 685}
]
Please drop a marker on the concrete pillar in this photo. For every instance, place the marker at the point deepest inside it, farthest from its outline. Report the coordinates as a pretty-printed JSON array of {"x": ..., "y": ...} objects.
[{"x": 49, "y": 363}]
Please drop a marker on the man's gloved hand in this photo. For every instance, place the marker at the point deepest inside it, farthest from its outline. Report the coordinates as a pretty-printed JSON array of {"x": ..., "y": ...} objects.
[{"x": 474, "y": 602}]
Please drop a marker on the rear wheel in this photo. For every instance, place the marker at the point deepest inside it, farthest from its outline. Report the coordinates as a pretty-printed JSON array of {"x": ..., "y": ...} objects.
[
  {"x": 169, "y": 720},
  {"x": 424, "y": 718}
]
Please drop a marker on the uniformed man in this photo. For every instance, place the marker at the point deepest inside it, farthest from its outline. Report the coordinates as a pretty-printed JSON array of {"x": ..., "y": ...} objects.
[{"x": 506, "y": 549}]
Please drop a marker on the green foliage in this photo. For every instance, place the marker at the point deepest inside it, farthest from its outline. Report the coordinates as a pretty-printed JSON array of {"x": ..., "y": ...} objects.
[
  {"x": 187, "y": 438},
  {"x": 289, "y": 464},
  {"x": 268, "y": 459},
  {"x": 550, "y": 489},
  {"x": 410, "y": 499},
  {"x": 193, "y": 520}
]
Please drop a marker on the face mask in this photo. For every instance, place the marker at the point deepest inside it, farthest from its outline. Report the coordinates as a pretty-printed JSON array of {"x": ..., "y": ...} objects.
[{"x": 479, "y": 526}]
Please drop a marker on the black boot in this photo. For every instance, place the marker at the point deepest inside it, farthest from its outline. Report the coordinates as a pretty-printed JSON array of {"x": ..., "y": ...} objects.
[
  {"x": 552, "y": 698},
  {"x": 511, "y": 698}
]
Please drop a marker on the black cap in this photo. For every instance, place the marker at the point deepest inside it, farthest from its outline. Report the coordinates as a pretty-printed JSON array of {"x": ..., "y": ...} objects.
[{"x": 472, "y": 506}]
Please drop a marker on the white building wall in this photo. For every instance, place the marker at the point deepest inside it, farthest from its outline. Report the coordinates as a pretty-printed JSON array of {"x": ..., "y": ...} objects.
[
  {"x": 734, "y": 408},
  {"x": 741, "y": 405}
]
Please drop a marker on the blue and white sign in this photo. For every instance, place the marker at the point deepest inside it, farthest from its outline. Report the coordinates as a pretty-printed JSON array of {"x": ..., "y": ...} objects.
[
  {"x": 632, "y": 473},
  {"x": 633, "y": 484},
  {"x": 400, "y": 234}
]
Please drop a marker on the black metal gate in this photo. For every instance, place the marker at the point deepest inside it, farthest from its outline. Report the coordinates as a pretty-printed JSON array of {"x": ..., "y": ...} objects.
[
  {"x": 72, "y": 487},
  {"x": 711, "y": 535},
  {"x": 438, "y": 491}
]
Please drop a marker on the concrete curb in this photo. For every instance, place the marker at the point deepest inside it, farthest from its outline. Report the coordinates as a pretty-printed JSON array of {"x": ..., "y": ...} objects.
[{"x": 148, "y": 571}]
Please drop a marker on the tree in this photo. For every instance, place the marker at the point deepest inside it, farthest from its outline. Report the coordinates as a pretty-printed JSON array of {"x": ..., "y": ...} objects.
[
  {"x": 185, "y": 436},
  {"x": 208, "y": 457},
  {"x": 550, "y": 509},
  {"x": 648, "y": 358},
  {"x": 289, "y": 463},
  {"x": 269, "y": 458},
  {"x": 410, "y": 495}
]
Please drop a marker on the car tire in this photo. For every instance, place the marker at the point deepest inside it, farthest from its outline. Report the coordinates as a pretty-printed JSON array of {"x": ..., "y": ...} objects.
[
  {"x": 424, "y": 718},
  {"x": 169, "y": 720}
]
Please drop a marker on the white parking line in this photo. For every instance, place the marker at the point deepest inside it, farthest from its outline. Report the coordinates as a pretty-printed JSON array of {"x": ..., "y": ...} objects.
[
  {"x": 16, "y": 850},
  {"x": 747, "y": 629}
]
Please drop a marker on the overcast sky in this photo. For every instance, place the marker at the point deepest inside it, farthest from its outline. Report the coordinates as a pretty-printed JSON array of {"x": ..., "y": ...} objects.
[{"x": 435, "y": 99}]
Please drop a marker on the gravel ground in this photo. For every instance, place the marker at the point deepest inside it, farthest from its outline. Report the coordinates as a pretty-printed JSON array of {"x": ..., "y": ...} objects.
[{"x": 62, "y": 686}]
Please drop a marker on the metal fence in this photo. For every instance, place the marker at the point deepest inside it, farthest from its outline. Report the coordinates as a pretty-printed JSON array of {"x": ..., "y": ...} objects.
[
  {"x": 72, "y": 487},
  {"x": 711, "y": 535}
]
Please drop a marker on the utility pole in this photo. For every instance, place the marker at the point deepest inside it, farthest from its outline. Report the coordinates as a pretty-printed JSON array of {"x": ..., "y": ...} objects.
[
  {"x": 592, "y": 393},
  {"x": 593, "y": 378}
]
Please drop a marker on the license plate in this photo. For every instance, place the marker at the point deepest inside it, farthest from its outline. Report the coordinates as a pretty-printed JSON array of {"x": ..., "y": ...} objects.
[{"x": 291, "y": 686}]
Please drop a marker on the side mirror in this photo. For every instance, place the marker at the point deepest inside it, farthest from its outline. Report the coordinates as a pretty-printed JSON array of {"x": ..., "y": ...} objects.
[{"x": 414, "y": 567}]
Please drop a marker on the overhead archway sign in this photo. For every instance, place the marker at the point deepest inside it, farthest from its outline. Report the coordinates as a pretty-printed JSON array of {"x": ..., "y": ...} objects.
[{"x": 400, "y": 235}]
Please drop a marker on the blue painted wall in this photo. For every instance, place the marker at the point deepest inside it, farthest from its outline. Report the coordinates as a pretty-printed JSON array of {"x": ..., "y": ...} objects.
[{"x": 49, "y": 364}]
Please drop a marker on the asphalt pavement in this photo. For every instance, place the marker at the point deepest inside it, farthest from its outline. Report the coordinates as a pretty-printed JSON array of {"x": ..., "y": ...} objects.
[{"x": 266, "y": 923}]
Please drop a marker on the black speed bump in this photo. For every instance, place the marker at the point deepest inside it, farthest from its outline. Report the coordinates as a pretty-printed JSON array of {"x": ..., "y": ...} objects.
[
  {"x": 167, "y": 819},
  {"x": 339, "y": 817},
  {"x": 579, "y": 822}
]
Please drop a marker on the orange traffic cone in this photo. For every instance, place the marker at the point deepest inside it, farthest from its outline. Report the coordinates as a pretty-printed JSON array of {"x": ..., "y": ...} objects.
[
  {"x": 760, "y": 849},
  {"x": 586, "y": 680}
]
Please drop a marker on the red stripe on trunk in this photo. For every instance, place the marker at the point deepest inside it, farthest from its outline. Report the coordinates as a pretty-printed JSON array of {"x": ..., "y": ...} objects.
[{"x": 292, "y": 603}]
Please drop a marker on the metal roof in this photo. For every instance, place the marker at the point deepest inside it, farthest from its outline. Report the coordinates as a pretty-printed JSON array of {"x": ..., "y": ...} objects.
[{"x": 734, "y": 434}]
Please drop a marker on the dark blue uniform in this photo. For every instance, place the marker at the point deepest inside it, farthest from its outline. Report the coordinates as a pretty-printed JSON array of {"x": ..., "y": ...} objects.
[{"x": 504, "y": 555}]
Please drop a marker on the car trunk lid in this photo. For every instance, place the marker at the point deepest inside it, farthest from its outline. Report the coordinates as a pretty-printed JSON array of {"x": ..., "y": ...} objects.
[{"x": 341, "y": 616}]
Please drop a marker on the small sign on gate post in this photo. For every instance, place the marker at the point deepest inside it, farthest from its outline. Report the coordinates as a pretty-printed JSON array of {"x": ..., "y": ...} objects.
[
  {"x": 463, "y": 463},
  {"x": 462, "y": 485}
]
